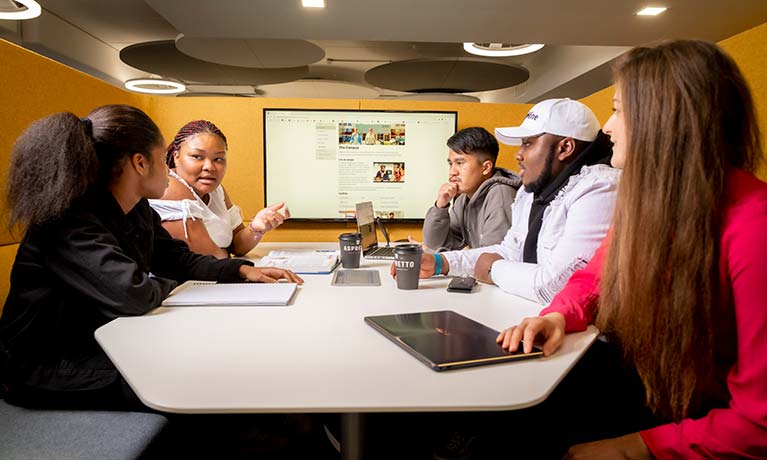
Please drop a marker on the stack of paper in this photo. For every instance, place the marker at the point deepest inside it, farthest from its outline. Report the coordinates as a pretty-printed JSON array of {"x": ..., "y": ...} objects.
[{"x": 302, "y": 262}]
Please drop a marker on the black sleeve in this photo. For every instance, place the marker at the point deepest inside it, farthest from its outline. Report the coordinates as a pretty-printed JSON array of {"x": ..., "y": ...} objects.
[
  {"x": 85, "y": 256},
  {"x": 88, "y": 259}
]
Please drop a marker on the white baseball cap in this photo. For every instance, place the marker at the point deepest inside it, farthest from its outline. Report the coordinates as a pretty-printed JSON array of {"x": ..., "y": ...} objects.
[{"x": 561, "y": 117}]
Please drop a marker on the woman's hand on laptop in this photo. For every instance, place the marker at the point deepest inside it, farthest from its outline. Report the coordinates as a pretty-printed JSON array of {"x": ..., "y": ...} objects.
[
  {"x": 550, "y": 326},
  {"x": 268, "y": 274}
]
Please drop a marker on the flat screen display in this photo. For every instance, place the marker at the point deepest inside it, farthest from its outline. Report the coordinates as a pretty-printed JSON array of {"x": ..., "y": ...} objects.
[{"x": 323, "y": 162}]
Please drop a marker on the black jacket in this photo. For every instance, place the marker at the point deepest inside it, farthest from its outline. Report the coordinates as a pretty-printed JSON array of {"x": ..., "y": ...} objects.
[{"x": 77, "y": 273}]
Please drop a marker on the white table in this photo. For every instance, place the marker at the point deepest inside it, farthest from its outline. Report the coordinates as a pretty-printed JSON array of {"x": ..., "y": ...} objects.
[{"x": 318, "y": 355}]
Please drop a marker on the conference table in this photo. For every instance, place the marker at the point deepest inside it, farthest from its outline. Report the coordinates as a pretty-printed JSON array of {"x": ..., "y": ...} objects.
[{"x": 317, "y": 355}]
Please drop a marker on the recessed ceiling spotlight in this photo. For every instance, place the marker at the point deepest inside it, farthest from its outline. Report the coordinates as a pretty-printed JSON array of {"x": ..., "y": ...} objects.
[
  {"x": 313, "y": 3},
  {"x": 155, "y": 86},
  {"x": 500, "y": 49},
  {"x": 32, "y": 10},
  {"x": 651, "y": 11}
]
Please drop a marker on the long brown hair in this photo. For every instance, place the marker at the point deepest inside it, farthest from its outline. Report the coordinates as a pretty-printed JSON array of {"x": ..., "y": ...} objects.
[{"x": 689, "y": 116}]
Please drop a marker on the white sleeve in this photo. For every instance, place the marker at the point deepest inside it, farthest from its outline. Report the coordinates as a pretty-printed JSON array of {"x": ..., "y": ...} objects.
[
  {"x": 462, "y": 263},
  {"x": 176, "y": 209},
  {"x": 182, "y": 210},
  {"x": 588, "y": 219},
  {"x": 235, "y": 216}
]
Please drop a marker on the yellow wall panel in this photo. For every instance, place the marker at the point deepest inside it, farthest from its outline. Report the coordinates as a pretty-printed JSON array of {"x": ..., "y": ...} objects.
[
  {"x": 33, "y": 87},
  {"x": 7, "y": 256},
  {"x": 601, "y": 103},
  {"x": 749, "y": 50}
]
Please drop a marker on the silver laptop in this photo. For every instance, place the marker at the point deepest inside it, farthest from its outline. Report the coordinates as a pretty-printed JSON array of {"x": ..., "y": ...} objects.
[{"x": 366, "y": 225}]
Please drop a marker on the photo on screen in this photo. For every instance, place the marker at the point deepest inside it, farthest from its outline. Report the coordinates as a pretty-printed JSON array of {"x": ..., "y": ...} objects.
[
  {"x": 387, "y": 171},
  {"x": 389, "y": 214},
  {"x": 371, "y": 134}
]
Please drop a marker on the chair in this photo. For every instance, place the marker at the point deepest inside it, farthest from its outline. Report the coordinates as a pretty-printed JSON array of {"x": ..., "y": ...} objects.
[{"x": 32, "y": 434}]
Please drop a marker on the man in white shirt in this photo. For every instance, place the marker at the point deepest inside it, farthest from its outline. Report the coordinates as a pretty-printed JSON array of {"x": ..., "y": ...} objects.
[{"x": 559, "y": 217}]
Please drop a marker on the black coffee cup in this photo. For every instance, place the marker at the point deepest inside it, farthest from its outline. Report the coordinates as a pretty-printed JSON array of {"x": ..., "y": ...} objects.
[
  {"x": 351, "y": 249},
  {"x": 407, "y": 261}
]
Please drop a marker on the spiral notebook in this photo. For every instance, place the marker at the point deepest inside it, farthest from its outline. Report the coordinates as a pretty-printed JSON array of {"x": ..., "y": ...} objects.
[{"x": 201, "y": 293}]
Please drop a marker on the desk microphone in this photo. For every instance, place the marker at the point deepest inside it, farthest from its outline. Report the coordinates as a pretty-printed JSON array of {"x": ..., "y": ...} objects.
[{"x": 383, "y": 230}]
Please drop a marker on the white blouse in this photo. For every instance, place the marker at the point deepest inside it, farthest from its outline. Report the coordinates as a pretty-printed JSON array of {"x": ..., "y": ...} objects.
[{"x": 219, "y": 221}]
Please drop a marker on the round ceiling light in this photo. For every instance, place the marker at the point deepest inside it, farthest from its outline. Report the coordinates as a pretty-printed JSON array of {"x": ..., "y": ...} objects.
[
  {"x": 155, "y": 86},
  {"x": 32, "y": 10},
  {"x": 500, "y": 49}
]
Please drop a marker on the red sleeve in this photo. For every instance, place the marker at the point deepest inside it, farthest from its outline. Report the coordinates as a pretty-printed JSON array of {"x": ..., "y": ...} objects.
[
  {"x": 740, "y": 430},
  {"x": 578, "y": 300}
]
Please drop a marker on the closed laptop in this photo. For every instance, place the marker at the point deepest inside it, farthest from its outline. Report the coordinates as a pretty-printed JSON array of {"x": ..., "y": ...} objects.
[{"x": 445, "y": 339}]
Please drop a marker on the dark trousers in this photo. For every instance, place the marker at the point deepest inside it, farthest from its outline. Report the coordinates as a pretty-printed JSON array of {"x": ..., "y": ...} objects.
[{"x": 600, "y": 398}]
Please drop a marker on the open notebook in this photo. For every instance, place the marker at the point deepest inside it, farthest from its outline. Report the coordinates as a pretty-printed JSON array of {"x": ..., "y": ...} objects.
[
  {"x": 303, "y": 262},
  {"x": 201, "y": 293}
]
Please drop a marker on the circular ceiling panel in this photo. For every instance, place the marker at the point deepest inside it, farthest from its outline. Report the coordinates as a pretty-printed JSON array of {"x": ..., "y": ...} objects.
[
  {"x": 216, "y": 95},
  {"x": 320, "y": 88},
  {"x": 162, "y": 58},
  {"x": 446, "y": 75},
  {"x": 445, "y": 97},
  {"x": 255, "y": 53}
]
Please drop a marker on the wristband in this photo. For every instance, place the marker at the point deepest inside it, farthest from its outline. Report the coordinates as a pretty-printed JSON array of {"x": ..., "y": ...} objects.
[
  {"x": 437, "y": 264},
  {"x": 257, "y": 234}
]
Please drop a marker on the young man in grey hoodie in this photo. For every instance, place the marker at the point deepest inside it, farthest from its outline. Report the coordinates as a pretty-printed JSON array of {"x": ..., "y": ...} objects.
[{"x": 481, "y": 195}]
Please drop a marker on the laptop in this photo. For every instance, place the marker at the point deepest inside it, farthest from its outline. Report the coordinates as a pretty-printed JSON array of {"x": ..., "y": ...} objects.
[
  {"x": 366, "y": 225},
  {"x": 445, "y": 340}
]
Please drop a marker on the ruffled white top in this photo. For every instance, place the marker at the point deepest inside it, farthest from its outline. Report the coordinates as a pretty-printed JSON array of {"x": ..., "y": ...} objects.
[{"x": 219, "y": 221}]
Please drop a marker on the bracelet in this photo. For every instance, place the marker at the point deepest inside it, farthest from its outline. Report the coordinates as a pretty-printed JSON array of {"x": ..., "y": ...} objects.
[
  {"x": 257, "y": 234},
  {"x": 437, "y": 264}
]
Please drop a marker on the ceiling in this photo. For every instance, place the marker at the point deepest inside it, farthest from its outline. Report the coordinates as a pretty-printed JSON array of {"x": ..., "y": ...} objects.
[{"x": 364, "y": 49}]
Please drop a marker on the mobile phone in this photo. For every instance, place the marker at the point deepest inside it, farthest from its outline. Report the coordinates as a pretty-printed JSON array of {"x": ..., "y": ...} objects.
[{"x": 462, "y": 284}]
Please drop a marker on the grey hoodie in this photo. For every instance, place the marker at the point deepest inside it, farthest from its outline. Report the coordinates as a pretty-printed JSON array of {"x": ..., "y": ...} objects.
[{"x": 480, "y": 221}]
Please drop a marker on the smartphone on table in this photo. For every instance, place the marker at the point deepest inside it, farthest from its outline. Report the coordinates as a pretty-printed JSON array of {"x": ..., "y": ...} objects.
[{"x": 463, "y": 284}]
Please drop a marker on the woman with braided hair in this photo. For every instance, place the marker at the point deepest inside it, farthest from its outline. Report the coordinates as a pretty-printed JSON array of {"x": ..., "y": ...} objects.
[
  {"x": 196, "y": 208},
  {"x": 92, "y": 250}
]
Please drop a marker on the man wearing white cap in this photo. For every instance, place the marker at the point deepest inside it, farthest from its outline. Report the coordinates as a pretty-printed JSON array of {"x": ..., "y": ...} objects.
[{"x": 559, "y": 217}]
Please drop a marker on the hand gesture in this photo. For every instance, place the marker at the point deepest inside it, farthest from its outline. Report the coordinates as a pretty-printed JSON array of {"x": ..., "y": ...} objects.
[
  {"x": 268, "y": 274},
  {"x": 551, "y": 327},
  {"x": 447, "y": 192},
  {"x": 270, "y": 217}
]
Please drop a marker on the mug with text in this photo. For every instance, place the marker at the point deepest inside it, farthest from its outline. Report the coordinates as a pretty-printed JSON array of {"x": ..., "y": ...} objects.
[
  {"x": 351, "y": 249},
  {"x": 407, "y": 261}
]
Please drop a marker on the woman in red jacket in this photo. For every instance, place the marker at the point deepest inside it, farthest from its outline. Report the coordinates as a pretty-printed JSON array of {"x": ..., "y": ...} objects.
[{"x": 680, "y": 284}]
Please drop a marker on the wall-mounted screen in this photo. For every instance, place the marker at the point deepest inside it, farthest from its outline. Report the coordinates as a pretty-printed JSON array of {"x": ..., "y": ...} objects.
[{"x": 323, "y": 162}]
